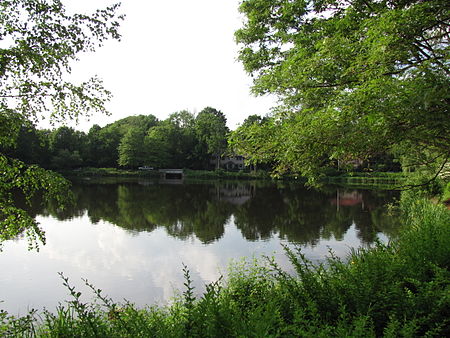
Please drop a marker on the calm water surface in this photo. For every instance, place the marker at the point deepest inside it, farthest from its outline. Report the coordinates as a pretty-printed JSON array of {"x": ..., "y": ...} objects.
[{"x": 130, "y": 238}]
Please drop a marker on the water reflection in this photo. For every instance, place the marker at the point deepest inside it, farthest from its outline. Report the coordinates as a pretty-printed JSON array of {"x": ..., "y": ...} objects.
[
  {"x": 130, "y": 238},
  {"x": 260, "y": 210}
]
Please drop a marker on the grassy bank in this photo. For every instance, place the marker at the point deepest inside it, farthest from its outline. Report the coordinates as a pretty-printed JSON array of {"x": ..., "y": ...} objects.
[
  {"x": 377, "y": 180},
  {"x": 400, "y": 289},
  {"x": 200, "y": 174},
  {"x": 109, "y": 172},
  {"x": 380, "y": 180},
  {"x": 222, "y": 174}
]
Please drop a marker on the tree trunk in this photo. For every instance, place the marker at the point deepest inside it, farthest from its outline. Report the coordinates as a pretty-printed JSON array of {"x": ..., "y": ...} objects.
[{"x": 217, "y": 162}]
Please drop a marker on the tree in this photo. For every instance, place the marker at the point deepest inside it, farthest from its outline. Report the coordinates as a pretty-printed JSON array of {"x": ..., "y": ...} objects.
[
  {"x": 39, "y": 40},
  {"x": 157, "y": 144},
  {"x": 131, "y": 150},
  {"x": 65, "y": 159},
  {"x": 184, "y": 140},
  {"x": 211, "y": 130},
  {"x": 144, "y": 122},
  {"x": 32, "y": 146},
  {"x": 66, "y": 138},
  {"x": 356, "y": 78},
  {"x": 103, "y": 143},
  {"x": 183, "y": 119},
  {"x": 251, "y": 140},
  {"x": 67, "y": 147},
  {"x": 252, "y": 119},
  {"x": 93, "y": 146}
]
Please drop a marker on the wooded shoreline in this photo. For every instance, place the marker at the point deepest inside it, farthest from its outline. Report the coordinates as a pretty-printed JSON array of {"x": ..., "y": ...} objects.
[{"x": 369, "y": 179}]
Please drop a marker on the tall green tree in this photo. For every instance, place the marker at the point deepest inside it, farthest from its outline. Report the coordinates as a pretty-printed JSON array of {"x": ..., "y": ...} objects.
[
  {"x": 211, "y": 130},
  {"x": 144, "y": 122},
  {"x": 131, "y": 149},
  {"x": 39, "y": 40},
  {"x": 32, "y": 146},
  {"x": 251, "y": 140},
  {"x": 356, "y": 78},
  {"x": 108, "y": 148},
  {"x": 66, "y": 138},
  {"x": 158, "y": 144},
  {"x": 68, "y": 147},
  {"x": 93, "y": 146},
  {"x": 184, "y": 140},
  {"x": 104, "y": 142}
]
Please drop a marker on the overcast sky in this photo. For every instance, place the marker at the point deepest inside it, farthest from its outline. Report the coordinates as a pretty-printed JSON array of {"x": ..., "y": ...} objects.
[{"x": 174, "y": 55}]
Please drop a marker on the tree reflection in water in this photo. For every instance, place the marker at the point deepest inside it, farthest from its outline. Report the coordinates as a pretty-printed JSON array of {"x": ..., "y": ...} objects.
[{"x": 260, "y": 209}]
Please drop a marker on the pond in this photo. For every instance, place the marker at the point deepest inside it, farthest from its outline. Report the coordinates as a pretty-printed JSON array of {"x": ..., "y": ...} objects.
[{"x": 131, "y": 238}]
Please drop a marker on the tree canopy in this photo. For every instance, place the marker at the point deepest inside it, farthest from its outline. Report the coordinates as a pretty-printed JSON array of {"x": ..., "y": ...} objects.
[
  {"x": 355, "y": 79},
  {"x": 179, "y": 141},
  {"x": 212, "y": 130},
  {"x": 38, "y": 42}
]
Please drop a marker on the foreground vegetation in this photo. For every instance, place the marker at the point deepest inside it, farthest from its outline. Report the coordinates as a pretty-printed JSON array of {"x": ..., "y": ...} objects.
[{"x": 398, "y": 289}]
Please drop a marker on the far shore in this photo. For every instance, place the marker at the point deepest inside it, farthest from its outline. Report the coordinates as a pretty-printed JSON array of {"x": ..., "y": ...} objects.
[{"x": 382, "y": 180}]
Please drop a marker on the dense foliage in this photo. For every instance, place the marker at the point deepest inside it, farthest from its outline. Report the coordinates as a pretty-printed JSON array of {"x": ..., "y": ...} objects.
[
  {"x": 180, "y": 141},
  {"x": 39, "y": 40},
  {"x": 396, "y": 290},
  {"x": 356, "y": 79}
]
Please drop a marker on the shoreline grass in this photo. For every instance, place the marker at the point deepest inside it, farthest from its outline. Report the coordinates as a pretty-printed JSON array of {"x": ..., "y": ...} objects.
[
  {"x": 108, "y": 172},
  {"x": 203, "y": 174},
  {"x": 351, "y": 178},
  {"x": 223, "y": 174},
  {"x": 392, "y": 290},
  {"x": 378, "y": 180}
]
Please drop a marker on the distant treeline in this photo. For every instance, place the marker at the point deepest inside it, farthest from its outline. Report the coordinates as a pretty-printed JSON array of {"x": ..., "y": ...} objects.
[{"x": 183, "y": 140}]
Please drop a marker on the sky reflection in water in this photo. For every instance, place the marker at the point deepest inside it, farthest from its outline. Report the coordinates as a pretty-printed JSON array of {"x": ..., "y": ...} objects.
[{"x": 131, "y": 239}]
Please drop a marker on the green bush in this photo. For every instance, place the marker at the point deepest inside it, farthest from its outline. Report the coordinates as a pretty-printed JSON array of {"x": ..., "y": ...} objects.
[{"x": 446, "y": 193}]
